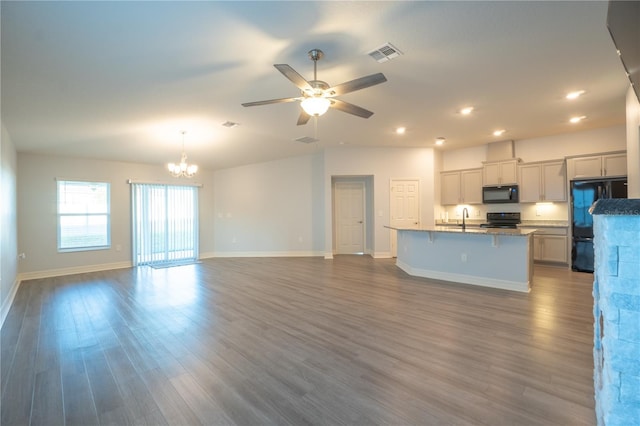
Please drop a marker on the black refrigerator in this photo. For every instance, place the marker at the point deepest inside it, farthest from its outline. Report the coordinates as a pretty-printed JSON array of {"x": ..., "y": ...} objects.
[{"x": 583, "y": 194}]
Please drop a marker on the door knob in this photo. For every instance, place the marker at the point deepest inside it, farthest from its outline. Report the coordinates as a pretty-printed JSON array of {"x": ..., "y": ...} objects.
[{"x": 359, "y": 221}]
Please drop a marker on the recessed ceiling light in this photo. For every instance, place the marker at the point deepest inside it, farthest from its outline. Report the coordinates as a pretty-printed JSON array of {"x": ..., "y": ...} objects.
[
  {"x": 230, "y": 124},
  {"x": 440, "y": 140},
  {"x": 499, "y": 132},
  {"x": 576, "y": 119},
  {"x": 401, "y": 130},
  {"x": 466, "y": 110},
  {"x": 575, "y": 95}
]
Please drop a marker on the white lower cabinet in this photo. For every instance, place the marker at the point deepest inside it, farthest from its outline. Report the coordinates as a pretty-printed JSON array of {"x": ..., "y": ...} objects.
[
  {"x": 551, "y": 248},
  {"x": 550, "y": 245}
]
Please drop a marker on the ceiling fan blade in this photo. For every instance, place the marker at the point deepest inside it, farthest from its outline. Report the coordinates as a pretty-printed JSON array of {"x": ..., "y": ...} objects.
[
  {"x": 350, "y": 108},
  {"x": 293, "y": 75},
  {"x": 357, "y": 84},
  {"x": 303, "y": 118},
  {"x": 270, "y": 101}
]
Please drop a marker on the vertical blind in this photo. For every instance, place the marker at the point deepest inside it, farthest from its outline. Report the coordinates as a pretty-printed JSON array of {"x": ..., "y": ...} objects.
[{"x": 165, "y": 223}]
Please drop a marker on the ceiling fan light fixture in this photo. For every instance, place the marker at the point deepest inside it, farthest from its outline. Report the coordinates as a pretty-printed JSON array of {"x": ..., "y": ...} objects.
[{"x": 315, "y": 106}]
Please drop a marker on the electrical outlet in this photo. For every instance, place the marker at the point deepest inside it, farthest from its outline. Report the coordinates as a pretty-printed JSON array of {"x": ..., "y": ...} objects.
[{"x": 463, "y": 257}]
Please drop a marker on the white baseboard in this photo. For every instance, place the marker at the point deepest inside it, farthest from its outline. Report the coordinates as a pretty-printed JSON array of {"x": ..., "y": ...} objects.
[
  {"x": 264, "y": 254},
  {"x": 6, "y": 305},
  {"x": 464, "y": 279},
  {"x": 74, "y": 270},
  {"x": 382, "y": 255}
]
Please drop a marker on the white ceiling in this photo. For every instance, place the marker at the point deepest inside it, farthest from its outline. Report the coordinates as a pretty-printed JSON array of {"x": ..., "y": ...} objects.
[{"x": 121, "y": 80}]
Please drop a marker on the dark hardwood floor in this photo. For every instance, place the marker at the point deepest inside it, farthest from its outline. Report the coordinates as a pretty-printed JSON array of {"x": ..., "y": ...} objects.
[{"x": 352, "y": 341}]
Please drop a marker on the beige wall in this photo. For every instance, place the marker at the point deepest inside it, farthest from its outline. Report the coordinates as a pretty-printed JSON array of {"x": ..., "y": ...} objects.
[
  {"x": 8, "y": 224},
  {"x": 546, "y": 148},
  {"x": 383, "y": 164},
  {"x": 270, "y": 209},
  {"x": 37, "y": 220}
]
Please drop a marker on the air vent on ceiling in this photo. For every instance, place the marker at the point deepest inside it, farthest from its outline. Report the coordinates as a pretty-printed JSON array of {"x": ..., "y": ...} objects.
[
  {"x": 385, "y": 52},
  {"x": 306, "y": 139}
]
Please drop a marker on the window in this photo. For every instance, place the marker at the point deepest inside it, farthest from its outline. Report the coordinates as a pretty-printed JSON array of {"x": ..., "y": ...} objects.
[{"x": 84, "y": 221}]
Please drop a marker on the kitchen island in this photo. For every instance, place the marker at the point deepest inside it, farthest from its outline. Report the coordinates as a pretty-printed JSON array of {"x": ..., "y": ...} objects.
[{"x": 498, "y": 258}]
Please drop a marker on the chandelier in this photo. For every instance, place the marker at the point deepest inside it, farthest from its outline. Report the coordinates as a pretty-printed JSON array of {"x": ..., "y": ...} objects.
[{"x": 183, "y": 169}]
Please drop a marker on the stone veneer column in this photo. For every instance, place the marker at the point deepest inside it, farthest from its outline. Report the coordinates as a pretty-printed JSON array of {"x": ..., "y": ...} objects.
[{"x": 616, "y": 293}]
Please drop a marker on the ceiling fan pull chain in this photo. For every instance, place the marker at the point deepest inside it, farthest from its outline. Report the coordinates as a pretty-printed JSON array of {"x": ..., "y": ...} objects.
[{"x": 315, "y": 127}]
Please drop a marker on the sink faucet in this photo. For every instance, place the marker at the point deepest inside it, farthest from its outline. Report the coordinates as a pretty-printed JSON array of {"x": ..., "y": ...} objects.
[{"x": 465, "y": 213}]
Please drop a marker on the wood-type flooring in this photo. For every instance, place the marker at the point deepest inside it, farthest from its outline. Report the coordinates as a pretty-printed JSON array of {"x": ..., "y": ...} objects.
[{"x": 296, "y": 341}]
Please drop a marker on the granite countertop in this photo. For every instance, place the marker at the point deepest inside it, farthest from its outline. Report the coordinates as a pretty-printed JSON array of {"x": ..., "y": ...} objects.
[
  {"x": 451, "y": 228},
  {"x": 525, "y": 223},
  {"x": 545, "y": 223}
]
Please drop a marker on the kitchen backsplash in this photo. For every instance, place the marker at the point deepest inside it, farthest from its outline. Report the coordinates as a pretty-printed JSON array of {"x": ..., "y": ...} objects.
[{"x": 553, "y": 211}]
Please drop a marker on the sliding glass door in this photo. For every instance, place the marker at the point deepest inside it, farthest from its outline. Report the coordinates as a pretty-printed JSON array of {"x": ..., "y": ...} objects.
[{"x": 165, "y": 223}]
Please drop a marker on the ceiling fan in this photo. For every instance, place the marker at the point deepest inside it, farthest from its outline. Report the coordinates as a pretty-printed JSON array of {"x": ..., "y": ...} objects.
[{"x": 317, "y": 96}]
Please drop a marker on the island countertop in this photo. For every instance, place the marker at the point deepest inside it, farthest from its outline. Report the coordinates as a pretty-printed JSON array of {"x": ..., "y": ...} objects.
[
  {"x": 469, "y": 230},
  {"x": 491, "y": 257}
]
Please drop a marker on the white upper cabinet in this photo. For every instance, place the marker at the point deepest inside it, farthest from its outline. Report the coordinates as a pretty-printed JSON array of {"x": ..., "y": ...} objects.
[
  {"x": 471, "y": 186},
  {"x": 450, "y": 188},
  {"x": 597, "y": 166},
  {"x": 500, "y": 172},
  {"x": 614, "y": 165},
  {"x": 554, "y": 181},
  {"x": 461, "y": 187},
  {"x": 542, "y": 182}
]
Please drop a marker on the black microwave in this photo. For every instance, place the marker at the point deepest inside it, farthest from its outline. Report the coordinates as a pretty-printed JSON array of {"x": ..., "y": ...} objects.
[{"x": 500, "y": 194}]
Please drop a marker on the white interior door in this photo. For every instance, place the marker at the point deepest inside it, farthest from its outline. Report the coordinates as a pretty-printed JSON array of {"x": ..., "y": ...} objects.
[
  {"x": 349, "y": 212},
  {"x": 404, "y": 207}
]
